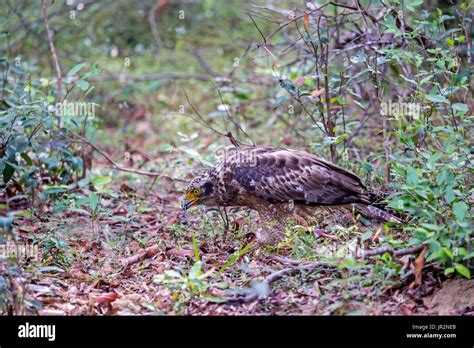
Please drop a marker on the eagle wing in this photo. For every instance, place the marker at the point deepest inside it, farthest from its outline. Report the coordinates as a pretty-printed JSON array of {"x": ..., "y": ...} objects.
[{"x": 283, "y": 175}]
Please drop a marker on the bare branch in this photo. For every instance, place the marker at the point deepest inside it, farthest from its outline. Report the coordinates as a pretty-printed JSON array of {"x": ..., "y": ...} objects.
[
  {"x": 391, "y": 251},
  {"x": 154, "y": 25},
  {"x": 151, "y": 77},
  {"x": 54, "y": 58},
  {"x": 201, "y": 120},
  {"x": 231, "y": 119},
  {"x": 117, "y": 166}
]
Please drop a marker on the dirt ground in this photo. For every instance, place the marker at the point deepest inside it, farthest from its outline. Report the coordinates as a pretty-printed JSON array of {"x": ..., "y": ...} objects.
[{"x": 122, "y": 264}]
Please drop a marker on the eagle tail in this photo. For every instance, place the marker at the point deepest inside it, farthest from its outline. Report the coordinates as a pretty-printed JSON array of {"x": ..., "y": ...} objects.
[{"x": 376, "y": 213}]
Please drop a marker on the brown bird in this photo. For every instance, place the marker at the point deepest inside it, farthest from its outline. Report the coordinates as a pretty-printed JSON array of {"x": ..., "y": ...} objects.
[{"x": 280, "y": 183}]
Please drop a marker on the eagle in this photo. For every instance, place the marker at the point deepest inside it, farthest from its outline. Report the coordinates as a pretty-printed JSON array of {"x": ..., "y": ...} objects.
[{"x": 280, "y": 183}]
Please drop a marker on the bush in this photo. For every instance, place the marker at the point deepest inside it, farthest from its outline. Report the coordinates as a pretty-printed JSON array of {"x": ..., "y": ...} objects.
[
  {"x": 33, "y": 151},
  {"x": 434, "y": 185}
]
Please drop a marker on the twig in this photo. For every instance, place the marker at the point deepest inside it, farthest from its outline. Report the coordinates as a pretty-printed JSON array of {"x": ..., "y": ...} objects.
[
  {"x": 283, "y": 25},
  {"x": 118, "y": 167},
  {"x": 301, "y": 265},
  {"x": 54, "y": 58},
  {"x": 262, "y": 17},
  {"x": 201, "y": 120},
  {"x": 256, "y": 26},
  {"x": 391, "y": 251},
  {"x": 202, "y": 62},
  {"x": 229, "y": 116},
  {"x": 154, "y": 25},
  {"x": 151, "y": 77},
  {"x": 271, "y": 278},
  {"x": 361, "y": 125},
  {"x": 7, "y": 68},
  {"x": 286, "y": 260}
]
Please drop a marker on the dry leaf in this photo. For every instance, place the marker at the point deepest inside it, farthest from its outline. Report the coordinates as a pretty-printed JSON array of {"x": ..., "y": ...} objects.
[
  {"x": 148, "y": 217},
  {"x": 306, "y": 21},
  {"x": 140, "y": 256},
  {"x": 317, "y": 92},
  {"x": 170, "y": 221},
  {"x": 180, "y": 252},
  {"x": 107, "y": 297},
  {"x": 299, "y": 81},
  {"x": 419, "y": 263}
]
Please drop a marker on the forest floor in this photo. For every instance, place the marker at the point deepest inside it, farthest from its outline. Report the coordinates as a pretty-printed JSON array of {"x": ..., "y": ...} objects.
[{"x": 131, "y": 252}]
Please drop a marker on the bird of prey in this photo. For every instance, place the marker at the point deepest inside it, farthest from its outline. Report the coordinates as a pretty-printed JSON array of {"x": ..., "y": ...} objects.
[{"x": 280, "y": 183}]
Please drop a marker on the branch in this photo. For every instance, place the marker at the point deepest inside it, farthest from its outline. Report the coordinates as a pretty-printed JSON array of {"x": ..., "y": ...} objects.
[
  {"x": 154, "y": 26},
  {"x": 151, "y": 77},
  {"x": 271, "y": 278},
  {"x": 54, "y": 58},
  {"x": 236, "y": 124},
  {"x": 206, "y": 124},
  {"x": 391, "y": 251},
  {"x": 283, "y": 25},
  {"x": 202, "y": 62},
  {"x": 300, "y": 266},
  {"x": 118, "y": 167}
]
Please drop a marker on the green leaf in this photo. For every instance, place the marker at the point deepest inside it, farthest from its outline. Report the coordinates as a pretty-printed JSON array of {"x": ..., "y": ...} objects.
[
  {"x": 449, "y": 196},
  {"x": 432, "y": 227},
  {"x": 448, "y": 253},
  {"x": 437, "y": 98},
  {"x": 339, "y": 139},
  {"x": 412, "y": 4},
  {"x": 462, "y": 270},
  {"x": 460, "y": 210},
  {"x": 8, "y": 172},
  {"x": 280, "y": 101},
  {"x": 412, "y": 176},
  {"x": 75, "y": 69},
  {"x": 172, "y": 274},
  {"x": 196, "y": 249},
  {"x": 27, "y": 158},
  {"x": 460, "y": 107},
  {"x": 195, "y": 271},
  {"x": 82, "y": 84},
  {"x": 93, "y": 201},
  {"x": 234, "y": 258},
  {"x": 100, "y": 181},
  {"x": 448, "y": 270}
]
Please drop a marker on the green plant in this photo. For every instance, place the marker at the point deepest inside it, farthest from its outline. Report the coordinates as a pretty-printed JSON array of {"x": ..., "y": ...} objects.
[
  {"x": 54, "y": 251},
  {"x": 33, "y": 151},
  {"x": 434, "y": 186}
]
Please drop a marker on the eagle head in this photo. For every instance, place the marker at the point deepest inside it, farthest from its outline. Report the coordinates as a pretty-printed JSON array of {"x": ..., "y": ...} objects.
[{"x": 200, "y": 191}]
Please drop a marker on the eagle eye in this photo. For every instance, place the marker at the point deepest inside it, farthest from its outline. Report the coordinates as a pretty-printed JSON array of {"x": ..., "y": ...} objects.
[{"x": 196, "y": 192}]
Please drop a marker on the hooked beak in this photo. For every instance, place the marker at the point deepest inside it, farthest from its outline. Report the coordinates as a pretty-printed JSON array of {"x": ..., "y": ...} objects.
[{"x": 186, "y": 204}]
